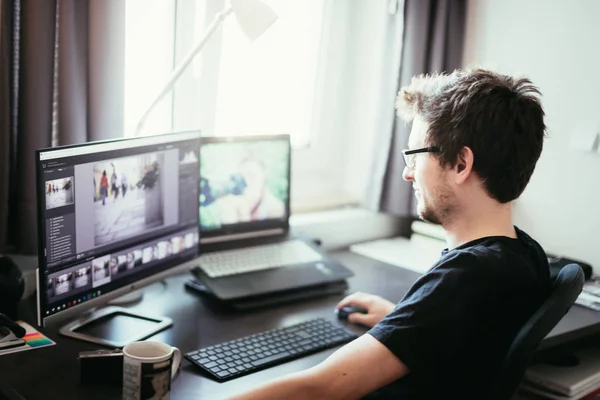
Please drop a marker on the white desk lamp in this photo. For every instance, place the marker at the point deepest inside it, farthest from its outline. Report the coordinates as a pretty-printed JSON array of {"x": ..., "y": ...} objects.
[{"x": 254, "y": 18}]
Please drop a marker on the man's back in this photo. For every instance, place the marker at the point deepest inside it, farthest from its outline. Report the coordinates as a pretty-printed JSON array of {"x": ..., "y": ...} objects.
[{"x": 455, "y": 325}]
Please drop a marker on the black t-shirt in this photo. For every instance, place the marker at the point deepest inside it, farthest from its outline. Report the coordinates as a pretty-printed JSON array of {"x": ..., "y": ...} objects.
[{"x": 454, "y": 326}]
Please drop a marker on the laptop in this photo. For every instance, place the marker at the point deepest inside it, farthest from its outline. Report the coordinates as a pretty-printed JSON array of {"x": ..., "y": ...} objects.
[{"x": 247, "y": 251}]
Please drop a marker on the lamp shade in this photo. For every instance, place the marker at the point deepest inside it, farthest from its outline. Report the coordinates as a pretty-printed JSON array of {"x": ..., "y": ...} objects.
[{"x": 254, "y": 17}]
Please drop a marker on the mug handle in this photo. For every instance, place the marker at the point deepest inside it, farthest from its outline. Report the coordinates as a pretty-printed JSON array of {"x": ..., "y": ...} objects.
[{"x": 176, "y": 361}]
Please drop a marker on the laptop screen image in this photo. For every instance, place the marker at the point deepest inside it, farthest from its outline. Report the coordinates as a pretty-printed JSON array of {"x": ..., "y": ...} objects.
[{"x": 244, "y": 187}]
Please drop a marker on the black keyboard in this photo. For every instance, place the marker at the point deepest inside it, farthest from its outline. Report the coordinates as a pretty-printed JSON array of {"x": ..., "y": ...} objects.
[{"x": 248, "y": 354}]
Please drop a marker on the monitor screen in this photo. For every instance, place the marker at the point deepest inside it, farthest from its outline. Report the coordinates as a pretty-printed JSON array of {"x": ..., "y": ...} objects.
[
  {"x": 113, "y": 213},
  {"x": 244, "y": 185}
]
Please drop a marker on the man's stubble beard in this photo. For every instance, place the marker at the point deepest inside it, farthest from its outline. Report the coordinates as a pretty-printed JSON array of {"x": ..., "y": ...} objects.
[{"x": 437, "y": 208}]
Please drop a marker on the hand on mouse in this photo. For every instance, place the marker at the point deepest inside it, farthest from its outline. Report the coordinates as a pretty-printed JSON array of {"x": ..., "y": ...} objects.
[{"x": 377, "y": 308}]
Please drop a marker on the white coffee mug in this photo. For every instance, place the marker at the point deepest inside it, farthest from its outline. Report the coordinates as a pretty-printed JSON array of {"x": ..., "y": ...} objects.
[{"x": 148, "y": 369}]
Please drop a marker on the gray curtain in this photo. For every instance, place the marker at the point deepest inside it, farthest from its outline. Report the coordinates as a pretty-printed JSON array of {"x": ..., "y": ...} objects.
[
  {"x": 68, "y": 74},
  {"x": 433, "y": 41},
  {"x": 5, "y": 46}
]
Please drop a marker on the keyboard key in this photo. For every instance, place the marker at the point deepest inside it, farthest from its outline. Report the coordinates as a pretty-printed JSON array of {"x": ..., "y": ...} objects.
[{"x": 269, "y": 359}]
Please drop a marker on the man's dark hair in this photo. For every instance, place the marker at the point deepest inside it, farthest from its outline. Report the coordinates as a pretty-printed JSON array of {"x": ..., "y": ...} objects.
[{"x": 498, "y": 117}]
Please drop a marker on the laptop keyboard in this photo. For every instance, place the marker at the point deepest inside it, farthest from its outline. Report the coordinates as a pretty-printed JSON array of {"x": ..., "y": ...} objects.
[
  {"x": 248, "y": 354},
  {"x": 256, "y": 258}
]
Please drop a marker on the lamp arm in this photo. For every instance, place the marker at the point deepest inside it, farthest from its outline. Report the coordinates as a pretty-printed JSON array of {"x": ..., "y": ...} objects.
[{"x": 219, "y": 18}]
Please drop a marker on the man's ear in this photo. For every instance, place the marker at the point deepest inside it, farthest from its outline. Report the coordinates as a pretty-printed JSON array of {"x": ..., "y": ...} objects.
[{"x": 464, "y": 164}]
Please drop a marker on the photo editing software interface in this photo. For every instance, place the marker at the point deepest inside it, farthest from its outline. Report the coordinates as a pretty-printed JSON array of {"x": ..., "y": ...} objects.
[
  {"x": 112, "y": 213},
  {"x": 244, "y": 184}
]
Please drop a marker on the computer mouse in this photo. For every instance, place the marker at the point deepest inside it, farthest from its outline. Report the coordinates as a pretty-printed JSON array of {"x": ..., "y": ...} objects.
[{"x": 343, "y": 312}]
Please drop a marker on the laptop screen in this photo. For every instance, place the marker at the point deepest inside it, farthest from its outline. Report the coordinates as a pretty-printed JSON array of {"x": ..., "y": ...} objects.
[{"x": 244, "y": 187}]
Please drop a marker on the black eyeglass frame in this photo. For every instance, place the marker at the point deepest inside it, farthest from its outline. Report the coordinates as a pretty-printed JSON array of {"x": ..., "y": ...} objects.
[{"x": 407, "y": 152}]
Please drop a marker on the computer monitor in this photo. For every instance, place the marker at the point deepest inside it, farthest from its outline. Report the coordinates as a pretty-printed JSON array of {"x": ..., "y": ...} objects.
[
  {"x": 113, "y": 216},
  {"x": 244, "y": 187}
]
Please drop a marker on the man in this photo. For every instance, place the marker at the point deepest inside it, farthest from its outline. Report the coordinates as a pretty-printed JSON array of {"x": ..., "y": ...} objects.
[
  {"x": 104, "y": 187},
  {"x": 113, "y": 183},
  {"x": 123, "y": 185},
  {"x": 256, "y": 202},
  {"x": 476, "y": 137}
]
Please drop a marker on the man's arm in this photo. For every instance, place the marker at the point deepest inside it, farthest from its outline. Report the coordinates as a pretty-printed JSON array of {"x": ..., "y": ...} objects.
[{"x": 353, "y": 371}]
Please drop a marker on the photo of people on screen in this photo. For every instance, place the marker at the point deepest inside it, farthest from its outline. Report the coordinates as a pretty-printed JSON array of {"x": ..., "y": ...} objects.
[
  {"x": 118, "y": 264},
  {"x": 64, "y": 284},
  {"x": 148, "y": 255},
  {"x": 101, "y": 270},
  {"x": 59, "y": 192},
  {"x": 188, "y": 241},
  {"x": 243, "y": 182},
  {"x": 164, "y": 249},
  {"x": 130, "y": 260},
  {"x": 121, "y": 263},
  {"x": 83, "y": 277},
  {"x": 127, "y": 197},
  {"x": 137, "y": 257},
  {"x": 177, "y": 244}
]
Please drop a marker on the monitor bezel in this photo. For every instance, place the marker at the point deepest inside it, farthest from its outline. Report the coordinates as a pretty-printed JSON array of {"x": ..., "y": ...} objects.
[
  {"x": 186, "y": 261},
  {"x": 278, "y": 228}
]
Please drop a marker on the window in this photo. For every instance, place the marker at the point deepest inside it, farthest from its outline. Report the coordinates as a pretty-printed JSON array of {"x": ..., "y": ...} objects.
[
  {"x": 269, "y": 86},
  {"x": 149, "y": 46},
  {"x": 274, "y": 85}
]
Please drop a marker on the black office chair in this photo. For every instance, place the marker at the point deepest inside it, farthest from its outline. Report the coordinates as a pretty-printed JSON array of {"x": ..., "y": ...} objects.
[{"x": 566, "y": 288}]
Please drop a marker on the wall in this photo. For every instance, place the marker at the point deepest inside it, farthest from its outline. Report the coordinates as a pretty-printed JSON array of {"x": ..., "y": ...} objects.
[{"x": 555, "y": 43}]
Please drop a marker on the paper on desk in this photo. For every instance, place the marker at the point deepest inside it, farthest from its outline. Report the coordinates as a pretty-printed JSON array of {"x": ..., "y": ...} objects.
[
  {"x": 33, "y": 338},
  {"x": 418, "y": 253}
]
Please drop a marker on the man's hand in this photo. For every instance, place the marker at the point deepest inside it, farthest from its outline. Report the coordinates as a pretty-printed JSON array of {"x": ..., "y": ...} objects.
[{"x": 377, "y": 308}]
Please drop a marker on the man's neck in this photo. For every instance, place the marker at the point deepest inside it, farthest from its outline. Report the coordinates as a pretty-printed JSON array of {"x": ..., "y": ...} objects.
[{"x": 475, "y": 223}]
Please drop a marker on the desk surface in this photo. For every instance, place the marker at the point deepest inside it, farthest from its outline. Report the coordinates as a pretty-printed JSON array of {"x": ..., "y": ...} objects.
[{"x": 35, "y": 374}]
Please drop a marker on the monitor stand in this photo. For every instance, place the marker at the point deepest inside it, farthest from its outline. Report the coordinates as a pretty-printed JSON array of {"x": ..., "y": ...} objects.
[
  {"x": 137, "y": 295},
  {"x": 114, "y": 326},
  {"x": 129, "y": 298}
]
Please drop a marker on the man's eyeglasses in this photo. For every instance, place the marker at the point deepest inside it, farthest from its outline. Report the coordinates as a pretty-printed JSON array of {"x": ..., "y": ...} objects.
[{"x": 409, "y": 155}]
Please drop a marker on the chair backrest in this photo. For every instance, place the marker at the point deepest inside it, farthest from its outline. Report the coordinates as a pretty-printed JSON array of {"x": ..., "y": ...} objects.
[{"x": 566, "y": 288}]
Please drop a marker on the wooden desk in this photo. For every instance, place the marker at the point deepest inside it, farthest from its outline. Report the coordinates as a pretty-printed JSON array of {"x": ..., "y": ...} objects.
[{"x": 53, "y": 372}]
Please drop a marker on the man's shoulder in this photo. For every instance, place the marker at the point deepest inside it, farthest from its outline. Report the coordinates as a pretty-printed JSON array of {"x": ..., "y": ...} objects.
[
  {"x": 492, "y": 248},
  {"x": 485, "y": 252},
  {"x": 495, "y": 259}
]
